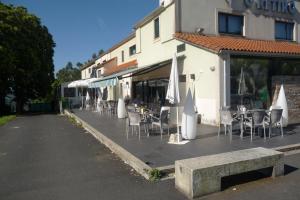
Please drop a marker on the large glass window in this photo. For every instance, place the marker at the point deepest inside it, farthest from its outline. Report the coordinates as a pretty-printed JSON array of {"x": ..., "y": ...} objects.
[
  {"x": 284, "y": 30},
  {"x": 151, "y": 91},
  {"x": 252, "y": 79},
  {"x": 156, "y": 28},
  {"x": 231, "y": 24}
]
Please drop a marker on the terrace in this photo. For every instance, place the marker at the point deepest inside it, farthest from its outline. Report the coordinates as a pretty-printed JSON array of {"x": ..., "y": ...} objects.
[{"x": 158, "y": 153}]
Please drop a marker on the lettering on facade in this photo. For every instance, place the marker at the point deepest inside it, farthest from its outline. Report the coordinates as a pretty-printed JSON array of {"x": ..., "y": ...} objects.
[{"x": 278, "y": 6}]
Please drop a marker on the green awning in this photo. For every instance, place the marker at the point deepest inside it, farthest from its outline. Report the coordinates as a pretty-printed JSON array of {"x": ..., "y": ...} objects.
[{"x": 104, "y": 83}]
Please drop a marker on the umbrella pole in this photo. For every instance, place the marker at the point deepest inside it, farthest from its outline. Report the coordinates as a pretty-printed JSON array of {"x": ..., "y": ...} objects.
[
  {"x": 177, "y": 124},
  {"x": 81, "y": 98}
]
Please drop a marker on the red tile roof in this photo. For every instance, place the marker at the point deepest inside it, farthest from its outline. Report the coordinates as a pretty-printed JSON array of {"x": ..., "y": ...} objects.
[
  {"x": 118, "y": 68},
  {"x": 219, "y": 43}
]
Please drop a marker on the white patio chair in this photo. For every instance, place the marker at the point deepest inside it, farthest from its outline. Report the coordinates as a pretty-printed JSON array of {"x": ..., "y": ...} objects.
[
  {"x": 228, "y": 120},
  {"x": 274, "y": 120},
  {"x": 135, "y": 120},
  {"x": 162, "y": 121},
  {"x": 256, "y": 121}
]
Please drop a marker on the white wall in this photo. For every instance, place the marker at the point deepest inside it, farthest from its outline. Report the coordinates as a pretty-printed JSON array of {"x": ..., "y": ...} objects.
[
  {"x": 85, "y": 73},
  {"x": 258, "y": 24},
  {"x": 156, "y": 50},
  {"x": 124, "y": 47},
  {"x": 206, "y": 68}
]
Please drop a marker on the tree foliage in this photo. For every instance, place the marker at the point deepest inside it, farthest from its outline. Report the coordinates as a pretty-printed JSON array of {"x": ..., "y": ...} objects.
[
  {"x": 94, "y": 56},
  {"x": 69, "y": 73},
  {"x": 26, "y": 55},
  {"x": 101, "y": 51}
]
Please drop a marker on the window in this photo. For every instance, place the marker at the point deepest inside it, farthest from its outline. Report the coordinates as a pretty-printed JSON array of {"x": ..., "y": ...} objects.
[
  {"x": 156, "y": 28},
  {"x": 261, "y": 74},
  {"x": 89, "y": 70},
  {"x": 122, "y": 55},
  {"x": 231, "y": 24},
  {"x": 284, "y": 30},
  {"x": 180, "y": 48},
  {"x": 182, "y": 78},
  {"x": 132, "y": 50}
]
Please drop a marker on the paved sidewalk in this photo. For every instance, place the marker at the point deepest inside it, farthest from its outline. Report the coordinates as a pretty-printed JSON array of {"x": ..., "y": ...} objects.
[{"x": 47, "y": 157}]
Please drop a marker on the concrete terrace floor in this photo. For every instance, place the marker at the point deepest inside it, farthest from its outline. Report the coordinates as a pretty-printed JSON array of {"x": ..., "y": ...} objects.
[{"x": 158, "y": 153}]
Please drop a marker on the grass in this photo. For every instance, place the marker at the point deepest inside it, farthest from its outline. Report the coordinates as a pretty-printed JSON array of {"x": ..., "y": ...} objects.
[
  {"x": 74, "y": 121},
  {"x": 5, "y": 119},
  {"x": 155, "y": 175}
]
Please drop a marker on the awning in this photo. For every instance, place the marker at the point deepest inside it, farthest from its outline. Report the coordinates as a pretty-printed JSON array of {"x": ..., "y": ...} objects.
[
  {"x": 112, "y": 79},
  {"x": 103, "y": 83},
  {"x": 81, "y": 83}
]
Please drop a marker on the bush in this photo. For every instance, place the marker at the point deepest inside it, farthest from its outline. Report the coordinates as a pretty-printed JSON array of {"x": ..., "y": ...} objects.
[{"x": 155, "y": 175}]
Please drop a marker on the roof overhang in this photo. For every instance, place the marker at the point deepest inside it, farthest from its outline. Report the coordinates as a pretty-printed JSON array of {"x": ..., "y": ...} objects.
[
  {"x": 221, "y": 45},
  {"x": 106, "y": 81},
  {"x": 257, "y": 54}
]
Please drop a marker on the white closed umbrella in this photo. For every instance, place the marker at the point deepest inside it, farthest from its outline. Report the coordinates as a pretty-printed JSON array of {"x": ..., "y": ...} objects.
[
  {"x": 282, "y": 103},
  {"x": 87, "y": 99},
  {"x": 98, "y": 104},
  {"x": 242, "y": 90},
  {"x": 98, "y": 101},
  {"x": 173, "y": 89},
  {"x": 157, "y": 97}
]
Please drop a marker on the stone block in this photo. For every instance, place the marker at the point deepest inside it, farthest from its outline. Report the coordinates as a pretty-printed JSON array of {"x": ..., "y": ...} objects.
[{"x": 202, "y": 175}]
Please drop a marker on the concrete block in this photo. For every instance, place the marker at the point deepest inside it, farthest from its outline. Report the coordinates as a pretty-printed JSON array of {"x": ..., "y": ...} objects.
[{"x": 201, "y": 176}]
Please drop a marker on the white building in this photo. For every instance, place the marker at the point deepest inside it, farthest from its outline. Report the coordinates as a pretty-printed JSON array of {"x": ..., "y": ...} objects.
[{"x": 214, "y": 40}]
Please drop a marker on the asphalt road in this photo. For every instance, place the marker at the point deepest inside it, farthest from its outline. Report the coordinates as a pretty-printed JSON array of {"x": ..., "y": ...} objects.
[{"x": 47, "y": 157}]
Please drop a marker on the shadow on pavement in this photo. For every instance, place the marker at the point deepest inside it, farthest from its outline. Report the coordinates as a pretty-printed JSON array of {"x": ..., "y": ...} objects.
[{"x": 230, "y": 181}]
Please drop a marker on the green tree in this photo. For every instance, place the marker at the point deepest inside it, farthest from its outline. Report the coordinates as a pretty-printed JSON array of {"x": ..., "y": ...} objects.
[
  {"x": 101, "y": 51},
  {"x": 26, "y": 56},
  {"x": 79, "y": 64},
  {"x": 68, "y": 73}
]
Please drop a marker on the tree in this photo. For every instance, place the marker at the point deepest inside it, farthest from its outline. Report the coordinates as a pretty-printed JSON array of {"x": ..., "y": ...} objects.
[
  {"x": 101, "y": 51},
  {"x": 26, "y": 56},
  {"x": 79, "y": 64},
  {"x": 68, "y": 73},
  {"x": 94, "y": 56}
]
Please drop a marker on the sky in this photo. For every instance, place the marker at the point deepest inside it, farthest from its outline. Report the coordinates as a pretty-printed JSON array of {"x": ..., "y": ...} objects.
[{"x": 81, "y": 28}]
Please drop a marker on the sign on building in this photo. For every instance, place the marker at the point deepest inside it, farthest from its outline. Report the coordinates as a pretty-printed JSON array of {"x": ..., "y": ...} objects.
[{"x": 275, "y": 6}]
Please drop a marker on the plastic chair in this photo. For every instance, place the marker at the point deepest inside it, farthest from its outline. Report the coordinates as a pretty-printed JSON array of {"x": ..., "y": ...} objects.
[
  {"x": 162, "y": 121},
  {"x": 134, "y": 120},
  {"x": 255, "y": 121},
  {"x": 227, "y": 119},
  {"x": 130, "y": 108},
  {"x": 274, "y": 119}
]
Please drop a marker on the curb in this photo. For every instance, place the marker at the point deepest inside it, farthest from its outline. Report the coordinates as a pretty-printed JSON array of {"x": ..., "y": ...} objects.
[
  {"x": 126, "y": 156},
  {"x": 287, "y": 148}
]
